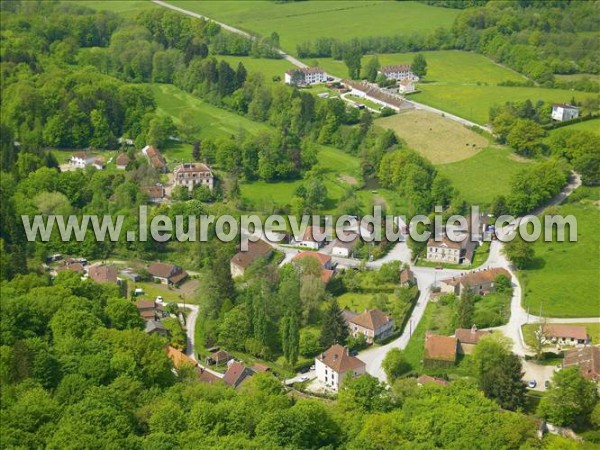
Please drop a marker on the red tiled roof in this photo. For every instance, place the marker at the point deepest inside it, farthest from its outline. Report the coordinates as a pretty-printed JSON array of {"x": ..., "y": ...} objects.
[
  {"x": 588, "y": 360},
  {"x": 122, "y": 159},
  {"x": 326, "y": 275},
  {"x": 145, "y": 304},
  {"x": 484, "y": 276},
  {"x": 309, "y": 233},
  {"x": 255, "y": 251},
  {"x": 396, "y": 68},
  {"x": 445, "y": 242},
  {"x": 235, "y": 374},
  {"x": 578, "y": 332},
  {"x": 338, "y": 359},
  {"x": 426, "y": 379},
  {"x": 320, "y": 257},
  {"x": 406, "y": 276},
  {"x": 440, "y": 348},
  {"x": 103, "y": 274},
  {"x": 206, "y": 377},
  {"x": 163, "y": 270},
  {"x": 179, "y": 358},
  {"x": 372, "y": 319},
  {"x": 469, "y": 335},
  {"x": 306, "y": 70}
]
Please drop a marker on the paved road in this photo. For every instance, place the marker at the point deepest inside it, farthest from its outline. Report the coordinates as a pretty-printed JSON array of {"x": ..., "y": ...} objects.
[{"x": 229, "y": 28}]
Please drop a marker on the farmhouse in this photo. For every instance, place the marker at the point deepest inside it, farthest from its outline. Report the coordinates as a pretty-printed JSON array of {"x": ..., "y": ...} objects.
[
  {"x": 426, "y": 379},
  {"x": 588, "y": 360},
  {"x": 167, "y": 273},
  {"x": 566, "y": 334},
  {"x": 81, "y": 159},
  {"x": 236, "y": 374},
  {"x": 103, "y": 274},
  {"x": 191, "y": 175},
  {"x": 480, "y": 282},
  {"x": 313, "y": 238},
  {"x": 440, "y": 351},
  {"x": 345, "y": 249},
  {"x": 562, "y": 112},
  {"x": 373, "y": 324},
  {"x": 155, "y": 194},
  {"x": 407, "y": 277},
  {"x": 156, "y": 327},
  {"x": 448, "y": 251},
  {"x": 242, "y": 260},
  {"x": 323, "y": 260},
  {"x": 398, "y": 72},
  {"x": 406, "y": 86},
  {"x": 218, "y": 357},
  {"x": 149, "y": 310},
  {"x": 155, "y": 158},
  {"x": 468, "y": 339},
  {"x": 122, "y": 161},
  {"x": 71, "y": 266},
  {"x": 180, "y": 359},
  {"x": 305, "y": 76},
  {"x": 336, "y": 363}
]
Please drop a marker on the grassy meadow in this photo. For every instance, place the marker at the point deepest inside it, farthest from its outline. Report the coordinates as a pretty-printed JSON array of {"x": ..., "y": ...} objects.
[
  {"x": 439, "y": 139},
  {"x": 125, "y": 8},
  {"x": 297, "y": 22},
  {"x": 564, "y": 279},
  {"x": 485, "y": 175},
  {"x": 588, "y": 125}
]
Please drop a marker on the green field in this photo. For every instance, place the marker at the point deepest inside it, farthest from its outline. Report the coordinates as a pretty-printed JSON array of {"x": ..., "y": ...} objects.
[
  {"x": 123, "y": 8},
  {"x": 484, "y": 176},
  {"x": 268, "y": 67},
  {"x": 593, "y": 330},
  {"x": 473, "y": 102},
  {"x": 301, "y": 21},
  {"x": 445, "y": 66},
  {"x": 564, "y": 280},
  {"x": 588, "y": 125},
  {"x": 437, "y": 138}
]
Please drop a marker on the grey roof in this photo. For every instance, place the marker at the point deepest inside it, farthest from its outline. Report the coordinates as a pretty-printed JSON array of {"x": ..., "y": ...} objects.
[{"x": 154, "y": 325}]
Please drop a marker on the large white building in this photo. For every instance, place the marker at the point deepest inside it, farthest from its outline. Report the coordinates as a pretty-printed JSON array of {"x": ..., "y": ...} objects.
[
  {"x": 191, "y": 175},
  {"x": 305, "y": 75},
  {"x": 398, "y": 72},
  {"x": 335, "y": 364},
  {"x": 562, "y": 112},
  {"x": 80, "y": 160}
]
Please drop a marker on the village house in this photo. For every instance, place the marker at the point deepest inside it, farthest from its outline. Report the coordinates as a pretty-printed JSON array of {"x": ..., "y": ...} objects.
[
  {"x": 468, "y": 338},
  {"x": 566, "y": 334},
  {"x": 406, "y": 86},
  {"x": 156, "y": 327},
  {"x": 81, "y": 159},
  {"x": 191, "y": 175},
  {"x": 398, "y": 72},
  {"x": 324, "y": 261},
  {"x": 155, "y": 158},
  {"x": 103, "y": 274},
  {"x": 218, "y": 357},
  {"x": 155, "y": 194},
  {"x": 447, "y": 251},
  {"x": 236, "y": 374},
  {"x": 440, "y": 351},
  {"x": 180, "y": 359},
  {"x": 407, "y": 277},
  {"x": 168, "y": 274},
  {"x": 71, "y": 266},
  {"x": 121, "y": 161},
  {"x": 99, "y": 163},
  {"x": 244, "y": 259},
  {"x": 562, "y": 112},
  {"x": 479, "y": 282},
  {"x": 373, "y": 324},
  {"x": 313, "y": 238},
  {"x": 149, "y": 310},
  {"x": 336, "y": 363},
  {"x": 345, "y": 249},
  {"x": 305, "y": 76},
  {"x": 588, "y": 360}
]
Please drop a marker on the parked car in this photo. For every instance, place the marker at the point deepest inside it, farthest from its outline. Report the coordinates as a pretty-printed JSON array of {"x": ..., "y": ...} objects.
[
  {"x": 303, "y": 378},
  {"x": 138, "y": 291},
  {"x": 304, "y": 369},
  {"x": 532, "y": 384},
  {"x": 159, "y": 298}
]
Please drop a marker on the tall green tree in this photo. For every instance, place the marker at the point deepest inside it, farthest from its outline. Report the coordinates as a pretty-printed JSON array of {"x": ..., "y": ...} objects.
[
  {"x": 504, "y": 383},
  {"x": 352, "y": 58},
  {"x": 371, "y": 68},
  {"x": 519, "y": 252},
  {"x": 419, "y": 66},
  {"x": 335, "y": 328},
  {"x": 465, "y": 307}
]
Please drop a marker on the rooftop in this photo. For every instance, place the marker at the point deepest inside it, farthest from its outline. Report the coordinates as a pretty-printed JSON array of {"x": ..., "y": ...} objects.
[
  {"x": 578, "y": 332},
  {"x": 103, "y": 274},
  {"x": 470, "y": 335},
  {"x": 255, "y": 250},
  {"x": 482, "y": 276},
  {"x": 440, "y": 348},
  {"x": 395, "y": 68},
  {"x": 338, "y": 359},
  {"x": 372, "y": 319},
  {"x": 587, "y": 358},
  {"x": 323, "y": 259}
]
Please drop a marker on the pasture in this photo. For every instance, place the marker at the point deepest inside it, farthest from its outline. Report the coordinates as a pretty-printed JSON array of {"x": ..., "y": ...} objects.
[
  {"x": 125, "y": 8},
  {"x": 438, "y": 139},
  {"x": 589, "y": 125},
  {"x": 564, "y": 279},
  {"x": 483, "y": 176},
  {"x": 296, "y": 22}
]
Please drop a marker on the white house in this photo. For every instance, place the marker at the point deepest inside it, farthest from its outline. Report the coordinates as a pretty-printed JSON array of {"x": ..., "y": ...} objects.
[
  {"x": 406, "y": 86},
  {"x": 345, "y": 248},
  {"x": 398, "y": 72},
  {"x": 80, "y": 160},
  {"x": 562, "y": 112},
  {"x": 336, "y": 363},
  {"x": 191, "y": 175},
  {"x": 305, "y": 76},
  {"x": 313, "y": 238},
  {"x": 373, "y": 324}
]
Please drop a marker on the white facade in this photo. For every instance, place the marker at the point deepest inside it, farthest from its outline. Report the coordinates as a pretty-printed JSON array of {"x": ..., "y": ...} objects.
[
  {"x": 343, "y": 252},
  {"x": 80, "y": 161},
  {"x": 564, "y": 112},
  {"x": 398, "y": 73},
  {"x": 332, "y": 379},
  {"x": 443, "y": 253},
  {"x": 191, "y": 175},
  {"x": 309, "y": 75}
]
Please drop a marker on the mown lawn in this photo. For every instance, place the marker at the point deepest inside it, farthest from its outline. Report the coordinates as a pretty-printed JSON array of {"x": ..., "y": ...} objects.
[
  {"x": 298, "y": 22},
  {"x": 593, "y": 330},
  {"x": 125, "y": 8},
  {"x": 564, "y": 280},
  {"x": 484, "y": 176},
  {"x": 268, "y": 67},
  {"x": 588, "y": 125},
  {"x": 438, "y": 139}
]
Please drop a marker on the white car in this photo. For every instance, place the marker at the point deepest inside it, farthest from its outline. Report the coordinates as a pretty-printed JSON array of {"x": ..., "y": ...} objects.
[
  {"x": 159, "y": 299},
  {"x": 303, "y": 378}
]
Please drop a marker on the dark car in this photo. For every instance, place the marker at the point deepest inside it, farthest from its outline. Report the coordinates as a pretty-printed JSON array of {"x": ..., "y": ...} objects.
[{"x": 305, "y": 369}]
